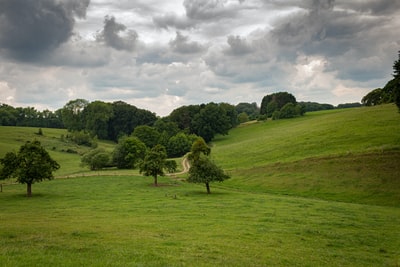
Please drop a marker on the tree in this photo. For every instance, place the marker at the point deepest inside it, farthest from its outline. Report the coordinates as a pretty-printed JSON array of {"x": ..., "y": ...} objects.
[
  {"x": 178, "y": 145},
  {"x": 31, "y": 164},
  {"x": 148, "y": 135},
  {"x": 154, "y": 162},
  {"x": 97, "y": 115},
  {"x": 72, "y": 114},
  {"x": 96, "y": 159},
  {"x": 199, "y": 147},
  {"x": 203, "y": 170},
  {"x": 274, "y": 102},
  {"x": 211, "y": 120},
  {"x": 396, "y": 75},
  {"x": 128, "y": 152}
]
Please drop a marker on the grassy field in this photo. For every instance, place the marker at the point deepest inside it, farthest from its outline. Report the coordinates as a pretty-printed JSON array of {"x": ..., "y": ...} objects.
[
  {"x": 124, "y": 221},
  {"x": 321, "y": 190},
  {"x": 350, "y": 155}
]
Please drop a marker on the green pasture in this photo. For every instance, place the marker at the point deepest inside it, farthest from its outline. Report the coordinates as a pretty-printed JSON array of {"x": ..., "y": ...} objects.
[
  {"x": 125, "y": 221},
  {"x": 320, "y": 190},
  {"x": 350, "y": 155}
]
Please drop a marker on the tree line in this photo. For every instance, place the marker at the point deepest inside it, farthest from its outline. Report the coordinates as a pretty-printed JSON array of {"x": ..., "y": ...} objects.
[{"x": 390, "y": 93}]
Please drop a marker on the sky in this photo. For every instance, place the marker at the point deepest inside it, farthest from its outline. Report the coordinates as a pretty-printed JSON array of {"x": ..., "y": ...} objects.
[{"x": 160, "y": 55}]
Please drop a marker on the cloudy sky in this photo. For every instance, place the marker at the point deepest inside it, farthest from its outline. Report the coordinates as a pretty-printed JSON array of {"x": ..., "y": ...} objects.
[{"x": 160, "y": 55}]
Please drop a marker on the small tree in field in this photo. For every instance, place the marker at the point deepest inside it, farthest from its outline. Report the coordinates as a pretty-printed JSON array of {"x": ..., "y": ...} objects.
[
  {"x": 154, "y": 162},
  {"x": 31, "y": 164},
  {"x": 203, "y": 170}
]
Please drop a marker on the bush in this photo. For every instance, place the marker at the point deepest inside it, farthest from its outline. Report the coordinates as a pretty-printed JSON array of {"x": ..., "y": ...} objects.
[{"x": 96, "y": 159}]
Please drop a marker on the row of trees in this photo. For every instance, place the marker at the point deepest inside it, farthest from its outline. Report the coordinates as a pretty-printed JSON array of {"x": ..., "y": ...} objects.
[
  {"x": 30, "y": 117},
  {"x": 390, "y": 93},
  {"x": 32, "y": 163}
]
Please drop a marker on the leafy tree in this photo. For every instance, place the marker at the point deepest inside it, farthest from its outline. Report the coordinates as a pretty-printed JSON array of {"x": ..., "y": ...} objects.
[
  {"x": 313, "y": 106},
  {"x": 178, "y": 145},
  {"x": 125, "y": 118},
  {"x": 199, "y": 147},
  {"x": 250, "y": 109},
  {"x": 148, "y": 135},
  {"x": 203, "y": 170},
  {"x": 72, "y": 114},
  {"x": 97, "y": 115},
  {"x": 373, "y": 98},
  {"x": 211, "y": 120},
  {"x": 396, "y": 75},
  {"x": 171, "y": 166},
  {"x": 31, "y": 164},
  {"x": 96, "y": 159},
  {"x": 243, "y": 117},
  {"x": 163, "y": 125},
  {"x": 154, "y": 162},
  {"x": 183, "y": 116},
  {"x": 274, "y": 102},
  {"x": 128, "y": 152}
]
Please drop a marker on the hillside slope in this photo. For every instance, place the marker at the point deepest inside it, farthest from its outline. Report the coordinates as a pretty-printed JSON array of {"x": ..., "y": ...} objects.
[{"x": 348, "y": 155}]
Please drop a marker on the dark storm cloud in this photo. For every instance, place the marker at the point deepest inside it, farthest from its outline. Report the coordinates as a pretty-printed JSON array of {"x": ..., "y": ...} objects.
[
  {"x": 111, "y": 35},
  {"x": 181, "y": 44},
  {"x": 29, "y": 29}
]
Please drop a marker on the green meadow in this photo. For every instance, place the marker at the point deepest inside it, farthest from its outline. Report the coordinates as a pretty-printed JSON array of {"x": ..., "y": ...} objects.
[{"x": 320, "y": 190}]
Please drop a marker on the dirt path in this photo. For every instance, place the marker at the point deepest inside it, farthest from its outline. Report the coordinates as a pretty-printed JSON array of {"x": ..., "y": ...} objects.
[{"x": 185, "y": 165}]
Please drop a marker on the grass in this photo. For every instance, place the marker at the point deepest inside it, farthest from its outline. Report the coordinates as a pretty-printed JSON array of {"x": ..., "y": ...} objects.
[
  {"x": 124, "y": 221},
  {"x": 350, "y": 155},
  {"x": 321, "y": 190}
]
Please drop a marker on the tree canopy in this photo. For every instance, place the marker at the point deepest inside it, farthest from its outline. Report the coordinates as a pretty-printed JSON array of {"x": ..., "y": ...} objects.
[
  {"x": 31, "y": 164},
  {"x": 202, "y": 169},
  {"x": 154, "y": 162},
  {"x": 396, "y": 83}
]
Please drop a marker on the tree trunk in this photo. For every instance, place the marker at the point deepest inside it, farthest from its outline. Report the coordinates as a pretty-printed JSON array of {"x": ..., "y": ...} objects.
[
  {"x": 208, "y": 188},
  {"x": 155, "y": 180},
  {"x": 29, "y": 190}
]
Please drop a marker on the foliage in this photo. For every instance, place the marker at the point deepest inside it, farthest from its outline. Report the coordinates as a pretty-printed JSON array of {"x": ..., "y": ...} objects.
[
  {"x": 250, "y": 109},
  {"x": 199, "y": 147},
  {"x": 205, "y": 120},
  {"x": 148, "y": 135},
  {"x": 274, "y": 102},
  {"x": 72, "y": 114},
  {"x": 126, "y": 118},
  {"x": 243, "y": 117},
  {"x": 396, "y": 83},
  {"x": 171, "y": 166},
  {"x": 211, "y": 120},
  {"x": 29, "y": 117},
  {"x": 97, "y": 115},
  {"x": 154, "y": 162},
  {"x": 179, "y": 145},
  {"x": 31, "y": 164},
  {"x": 96, "y": 159},
  {"x": 380, "y": 96},
  {"x": 128, "y": 152},
  {"x": 314, "y": 106},
  {"x": 204, "y": 171},
  {"x": 80, "y": 138}
]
